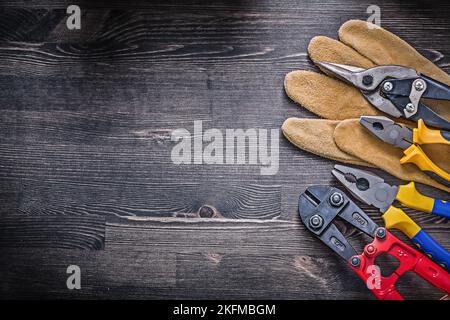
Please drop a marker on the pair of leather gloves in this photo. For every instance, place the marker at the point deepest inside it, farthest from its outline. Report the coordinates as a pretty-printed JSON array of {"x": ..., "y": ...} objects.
[{"x": 339, "y": 136}]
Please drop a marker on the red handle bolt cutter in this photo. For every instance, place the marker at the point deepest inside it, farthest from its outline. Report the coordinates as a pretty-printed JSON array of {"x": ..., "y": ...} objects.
[{"x": 320, "y": 205}]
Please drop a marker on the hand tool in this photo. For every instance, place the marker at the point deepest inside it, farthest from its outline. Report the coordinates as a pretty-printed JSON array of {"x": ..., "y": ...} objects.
[
  {"x": 402, "y": 137},
  {"x": 406, "y": 194},
  {"x": 372, "y": 190},
  {"x": 395, "y": 90},
  {"x": 320, "y": 205}
]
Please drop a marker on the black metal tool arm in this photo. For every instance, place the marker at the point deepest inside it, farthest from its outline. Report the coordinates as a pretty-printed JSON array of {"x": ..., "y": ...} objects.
[
  {"x": 427, "y": 87},
  {"x": 423, "y": 112},
  {"x": 435, "y": 89},
  {"x": 406, "y": 94}
]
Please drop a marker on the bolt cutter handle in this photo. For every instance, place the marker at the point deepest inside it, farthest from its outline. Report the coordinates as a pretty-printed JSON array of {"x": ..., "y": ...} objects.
[
  {"x": 409, "y": 197},
  {"x": 395, "y": 218},
  {"x": 414, "y": 154},
  {"x": 431, "y": 272},
  {"x": 410, "y": 260}
]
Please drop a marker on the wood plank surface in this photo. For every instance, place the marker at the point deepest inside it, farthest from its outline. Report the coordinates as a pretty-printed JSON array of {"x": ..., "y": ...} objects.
[{"x": 86, "y": 176}]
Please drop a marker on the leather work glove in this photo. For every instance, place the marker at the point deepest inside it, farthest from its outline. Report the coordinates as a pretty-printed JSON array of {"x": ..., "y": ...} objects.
[{"x": 340, "y": 136}]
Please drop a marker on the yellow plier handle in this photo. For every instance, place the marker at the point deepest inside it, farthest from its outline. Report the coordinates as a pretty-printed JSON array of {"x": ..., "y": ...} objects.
[
  {"x": 414, "y": 154},
  {"x": 424, "y": 135},
  {"x": 408, "y": 196},
  {"x": 396, "y": 218}
]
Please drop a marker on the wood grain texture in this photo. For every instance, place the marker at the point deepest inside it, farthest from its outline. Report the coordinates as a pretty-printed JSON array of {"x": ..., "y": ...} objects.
[
  {"x": 157, "y": 200},
  {"x": 86, "y": 176},
  {"x": 41, "y": 273},
  {"x": 86, "y": 233},
  {"x": 243, "y": 236}
]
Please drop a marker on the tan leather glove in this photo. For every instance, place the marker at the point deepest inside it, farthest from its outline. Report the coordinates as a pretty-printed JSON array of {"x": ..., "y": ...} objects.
[{"x": 341, "y": 137}]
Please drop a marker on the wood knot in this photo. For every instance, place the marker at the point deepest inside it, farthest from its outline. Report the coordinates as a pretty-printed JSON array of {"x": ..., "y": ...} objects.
[
  {"x": 206, "y": 212},
  {"x": 214, "y": 257}
]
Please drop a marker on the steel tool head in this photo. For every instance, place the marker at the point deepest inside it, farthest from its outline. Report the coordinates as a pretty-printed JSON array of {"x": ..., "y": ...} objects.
[
  {"x": 367, "y": 79},
  {"x": 320, "y": 205},
  {"x": 370, "y": 80},
  {"x": 366, "y": 187},
  {"x": 388, "y": 131},
  {"x": 344, "y": 72}
]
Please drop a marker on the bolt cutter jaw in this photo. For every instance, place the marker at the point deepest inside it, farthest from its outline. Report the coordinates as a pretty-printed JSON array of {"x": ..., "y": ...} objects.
[
  {"x": 366, "y": 187},
  {"x": 320, "y": 205},
  {"x": 388, "y": 131}
]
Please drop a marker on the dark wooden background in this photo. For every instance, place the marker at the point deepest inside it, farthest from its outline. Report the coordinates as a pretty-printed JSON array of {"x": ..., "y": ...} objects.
[{"x": 85, "y": 171}]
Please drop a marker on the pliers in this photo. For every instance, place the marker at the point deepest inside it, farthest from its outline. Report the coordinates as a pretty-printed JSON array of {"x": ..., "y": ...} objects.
[
  {"x": 409, "y": 140},
  {"x": 320, "y": 205},
  {"x": 395, "y": 90},
  {"x": 372, "y": 190}
]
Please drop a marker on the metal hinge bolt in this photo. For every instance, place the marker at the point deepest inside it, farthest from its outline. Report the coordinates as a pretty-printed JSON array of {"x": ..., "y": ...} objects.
[
  {"x": 381, "y": 233},
  {"x": 336, "y": 199},
  {"x": 388, "y": 86},
  {"x": 355, "y": 262},
  {"x": 410, "y": 107},
  {"x": 419, "y": 85},
  {"x": 316, "y": 221}
]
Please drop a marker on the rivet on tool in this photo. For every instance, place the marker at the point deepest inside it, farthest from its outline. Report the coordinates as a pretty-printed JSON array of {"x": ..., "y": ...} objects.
[
  {"x": 336, "y": 199},
  {"x": 370, "y": 249},
  {"x": 316, "y": 221},
  {"x": 410, "y": 107},
  {"x": 355, "y": 262},
  {"x": 419, "y": 85},
  {"x": 381, "y": 233},
  {"x": 367, "y": 80},
  {"x": 388, "y": 86}
]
